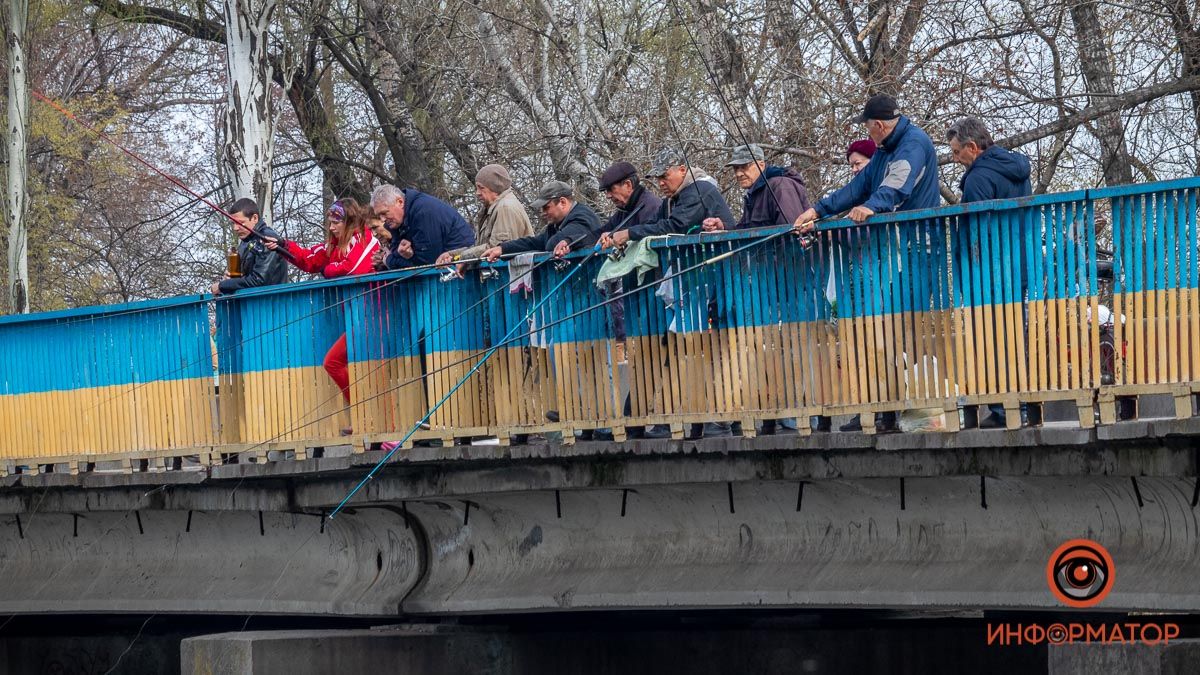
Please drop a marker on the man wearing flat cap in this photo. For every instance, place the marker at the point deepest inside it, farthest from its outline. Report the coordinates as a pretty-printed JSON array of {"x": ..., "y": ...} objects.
[
  {"x": 570, "y": 226},
  {"x": 774, "y": 195},
  {"x": 635, "y": 204},
  {"x": 688, "y": 202},
  {"x": 502, "y": 217}
]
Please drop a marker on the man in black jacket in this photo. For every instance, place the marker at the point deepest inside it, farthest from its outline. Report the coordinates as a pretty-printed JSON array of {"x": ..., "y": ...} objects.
[
  {"x": 259, "y": 266},
  {"x": 635, "y": 204},
  {"x": 570, "y": 226},
  {"x": 689, "y": 201}
]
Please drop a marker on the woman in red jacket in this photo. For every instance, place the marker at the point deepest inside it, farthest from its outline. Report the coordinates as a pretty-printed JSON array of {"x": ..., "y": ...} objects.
[{"x": 347, "y": 250}]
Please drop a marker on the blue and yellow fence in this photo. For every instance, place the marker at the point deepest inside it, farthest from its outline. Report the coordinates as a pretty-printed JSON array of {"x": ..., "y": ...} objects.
[{"x": 997, "y": 302}]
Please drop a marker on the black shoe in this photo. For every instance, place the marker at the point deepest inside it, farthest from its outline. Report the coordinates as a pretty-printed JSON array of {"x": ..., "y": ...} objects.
[
  {"x": 657, "y": 431},
  {"x": 635, "y": 432},
  {"x": 710, "y": 430},
  {"x": 887, "y": 422},
  {"x": 603, "y": 435},
  {"x": 768, "y": 428},
  {"x": 552, "y": 415},
  {"x": 824, "y": 423},
  {"x": 518, "y": 439},
  {"x": 735, "y": 428},
  {"x": 855, "y": 424},
  {"x": 993, "y": 421},
  {"x": 586, "y": 435}
]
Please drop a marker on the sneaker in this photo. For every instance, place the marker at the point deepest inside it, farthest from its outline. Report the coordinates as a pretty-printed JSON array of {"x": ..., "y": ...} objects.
[{"x": 789, "y": 423}]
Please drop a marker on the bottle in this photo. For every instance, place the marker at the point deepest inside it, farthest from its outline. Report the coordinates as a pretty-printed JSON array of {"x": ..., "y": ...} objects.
[{"x": 233, "y": 263}]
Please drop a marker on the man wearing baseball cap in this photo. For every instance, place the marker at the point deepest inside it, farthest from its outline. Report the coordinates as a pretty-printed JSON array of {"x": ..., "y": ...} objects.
[
  {"x": 774, "y": 195},
  {"x": 569, "y": 225},
  {"x": 901, "y": 176},
  {"x": 688, "y": 201}
]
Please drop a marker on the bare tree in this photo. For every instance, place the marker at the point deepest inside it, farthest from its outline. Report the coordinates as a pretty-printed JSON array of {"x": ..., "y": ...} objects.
[
  {"x": 1096, "y": 62},
  {"x": 250, "y": 110},
  {"x": 18, "y": 129}
]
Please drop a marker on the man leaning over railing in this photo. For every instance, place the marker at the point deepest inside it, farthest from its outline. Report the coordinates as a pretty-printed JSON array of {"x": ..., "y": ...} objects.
[
  {"x": 901, "y": 176},
  {"x": 689, "y": 199},
  {"x": 992, "y": 172}
]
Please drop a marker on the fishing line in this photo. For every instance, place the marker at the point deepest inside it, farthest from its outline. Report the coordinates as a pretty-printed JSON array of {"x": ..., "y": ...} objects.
[
  {"x": 461, "y": 382},
  {"x": 551, "y": 324}
]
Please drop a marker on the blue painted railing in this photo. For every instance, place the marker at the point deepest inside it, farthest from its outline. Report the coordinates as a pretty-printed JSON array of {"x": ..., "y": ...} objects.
[{"x": 982, "y": 303}]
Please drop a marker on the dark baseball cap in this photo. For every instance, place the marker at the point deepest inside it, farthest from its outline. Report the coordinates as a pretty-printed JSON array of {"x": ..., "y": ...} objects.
[
  {"x": 879, "y": 107},
  {"x": 555, "y": 189}
]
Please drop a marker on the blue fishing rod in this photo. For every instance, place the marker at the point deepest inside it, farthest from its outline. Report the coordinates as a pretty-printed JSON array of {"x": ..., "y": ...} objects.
[{"x": 456, "y": 387}]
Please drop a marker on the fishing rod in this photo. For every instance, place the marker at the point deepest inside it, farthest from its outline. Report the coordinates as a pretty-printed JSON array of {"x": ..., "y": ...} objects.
[
  {"x": 510, "y": 340},
  {"x": 496, "y": 291},
  {"x": 172, "y": 179},
  {"x": 461, "y": 382}
]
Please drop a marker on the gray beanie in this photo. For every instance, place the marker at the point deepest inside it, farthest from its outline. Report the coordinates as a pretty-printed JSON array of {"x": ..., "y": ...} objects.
[{"x": 494, "y": 177}]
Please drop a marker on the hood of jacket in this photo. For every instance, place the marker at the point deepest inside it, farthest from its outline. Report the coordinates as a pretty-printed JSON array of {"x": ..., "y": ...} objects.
[{"x": 1012, "y": 165}]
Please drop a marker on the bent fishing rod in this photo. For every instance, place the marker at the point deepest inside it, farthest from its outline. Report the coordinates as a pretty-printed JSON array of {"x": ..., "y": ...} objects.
[{"x": 172, "y": 179}]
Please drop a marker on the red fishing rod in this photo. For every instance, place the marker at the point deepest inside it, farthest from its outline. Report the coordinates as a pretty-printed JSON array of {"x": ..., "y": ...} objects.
[{"x": 282, "y": 250}]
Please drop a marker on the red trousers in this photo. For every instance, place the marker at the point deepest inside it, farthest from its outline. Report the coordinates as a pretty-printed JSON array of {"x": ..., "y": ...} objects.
[{"x": 337, "y": 364}]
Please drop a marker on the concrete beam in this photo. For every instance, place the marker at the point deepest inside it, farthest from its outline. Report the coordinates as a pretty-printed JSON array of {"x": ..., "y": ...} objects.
[
  {"x": 200, "y": 562},
  {"x": 929, "y": 544}
]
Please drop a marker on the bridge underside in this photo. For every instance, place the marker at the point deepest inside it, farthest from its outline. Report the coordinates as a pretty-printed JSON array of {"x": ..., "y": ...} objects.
[{"x": 727, "y": 524}]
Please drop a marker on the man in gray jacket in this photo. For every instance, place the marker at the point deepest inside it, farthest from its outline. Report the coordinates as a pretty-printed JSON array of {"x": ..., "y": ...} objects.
[{"x": 502, "y": 217}]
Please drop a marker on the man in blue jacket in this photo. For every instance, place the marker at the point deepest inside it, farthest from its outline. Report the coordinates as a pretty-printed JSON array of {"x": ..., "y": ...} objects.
[
  {"x": 992, "y": 173},
  {"x": 901, "y": 176},
  {"x": 423, "y": 227}
]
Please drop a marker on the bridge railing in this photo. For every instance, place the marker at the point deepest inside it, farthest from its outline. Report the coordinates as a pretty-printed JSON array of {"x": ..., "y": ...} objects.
[{"x": 996, "y": 302}]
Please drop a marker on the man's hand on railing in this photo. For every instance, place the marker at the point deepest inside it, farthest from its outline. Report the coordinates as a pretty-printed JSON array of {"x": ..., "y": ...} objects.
[
  {"x": 492, "y": 254},
  {"x": 713, "y": 225},
  {"x": 444, "y": 260},
  {"x": 562, "y": 248},
  {"x": 860, "y": 213},
  {"x": 379, "y": 259}
]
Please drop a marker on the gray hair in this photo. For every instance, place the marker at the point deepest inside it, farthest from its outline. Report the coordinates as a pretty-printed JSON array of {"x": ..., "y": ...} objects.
[
  {"x": 970, "y": 130},
  {"x": 385, "y": 195}
]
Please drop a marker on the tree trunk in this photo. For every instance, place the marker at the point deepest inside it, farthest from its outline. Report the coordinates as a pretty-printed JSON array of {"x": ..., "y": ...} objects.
[
  {"x": 1096, "y": 62},
  {"x": 564, "y": 152},
  {"x": 18, "y": 127},
  {"x": 249, "y": 114}
]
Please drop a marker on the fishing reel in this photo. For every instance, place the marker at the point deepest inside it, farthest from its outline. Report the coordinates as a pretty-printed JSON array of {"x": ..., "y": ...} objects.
[
  {"x": 488, "y": 273},
  {"x": 449, "y": 275},
  {"x": 617, "y": 253},
  {"x": 561, "y": 264}
]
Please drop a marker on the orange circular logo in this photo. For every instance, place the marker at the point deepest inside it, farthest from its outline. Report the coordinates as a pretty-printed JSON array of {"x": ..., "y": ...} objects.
[{"x": 1080, "y": 573}]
